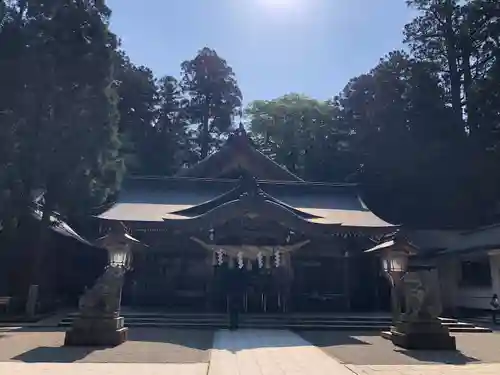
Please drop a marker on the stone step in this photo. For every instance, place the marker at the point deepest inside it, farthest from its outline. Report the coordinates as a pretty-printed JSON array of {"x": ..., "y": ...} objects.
[
  {"x": 251, "y": 321},
  {"x": 480, "y": 319},
  {"x": 253, "y": 316},
  {"x": 221, "y": 321}
]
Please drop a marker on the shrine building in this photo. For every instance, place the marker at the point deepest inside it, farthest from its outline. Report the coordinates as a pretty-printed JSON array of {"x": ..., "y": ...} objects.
[
  {"x": 238, "y": 220},
  {"x": 237, "y": 217}
]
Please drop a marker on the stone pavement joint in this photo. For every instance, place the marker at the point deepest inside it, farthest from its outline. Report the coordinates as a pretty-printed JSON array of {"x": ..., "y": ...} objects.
[{"x": 269, "y": 352}]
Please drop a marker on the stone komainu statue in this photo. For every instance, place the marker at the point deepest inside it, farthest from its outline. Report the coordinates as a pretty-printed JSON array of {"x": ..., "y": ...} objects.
[
  {"x": 421, "y": 299},
  {"x": 104, "y": 297}
]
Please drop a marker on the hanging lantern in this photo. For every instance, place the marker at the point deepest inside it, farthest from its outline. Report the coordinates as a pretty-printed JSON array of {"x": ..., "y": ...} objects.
[
  {"x": 220, "y": 257},
  {"x": 211, "y": 234},
  {"x": 277, "y": 259},
  {"x": 260, "y": 259},
  {"x": 241, "y": 263}
]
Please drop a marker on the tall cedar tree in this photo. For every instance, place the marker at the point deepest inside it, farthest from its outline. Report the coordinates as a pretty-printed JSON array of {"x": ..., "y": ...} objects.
[
  {"x": 213, "y": 93},
  {"x": 69, "y": 144}
]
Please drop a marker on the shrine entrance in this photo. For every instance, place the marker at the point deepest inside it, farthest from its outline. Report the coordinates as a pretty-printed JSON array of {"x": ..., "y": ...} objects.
[
  {"x": 254, "y": 289},
  {"x": 259, "y": 278}
]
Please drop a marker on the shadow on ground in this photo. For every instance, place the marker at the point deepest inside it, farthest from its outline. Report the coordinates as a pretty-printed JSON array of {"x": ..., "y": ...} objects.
[
  {"x": 145, "y": 345},
  {"x": 442, "y": 356},
  {"x": 368, "y": 348},
  {"x": 54, "y": 355},
  {"x": 324, "y": 339}
]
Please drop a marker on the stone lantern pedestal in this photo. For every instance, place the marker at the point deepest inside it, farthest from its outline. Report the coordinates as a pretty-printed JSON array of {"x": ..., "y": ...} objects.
[
  {"x": 422, "y": 335},
  {"x": 97, "y": 331}
]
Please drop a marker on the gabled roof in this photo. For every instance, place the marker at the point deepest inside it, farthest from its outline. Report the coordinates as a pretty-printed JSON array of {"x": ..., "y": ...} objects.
[
  {"x": 238, "y": 153},
  {"x": 192, "y": 202}
]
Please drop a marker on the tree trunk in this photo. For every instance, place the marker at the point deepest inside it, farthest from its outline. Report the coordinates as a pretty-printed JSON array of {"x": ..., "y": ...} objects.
[
  {"x": 452, "y": 58},
  {"x": 205, "y": 134},
  {"x": 470, "y": 107}
]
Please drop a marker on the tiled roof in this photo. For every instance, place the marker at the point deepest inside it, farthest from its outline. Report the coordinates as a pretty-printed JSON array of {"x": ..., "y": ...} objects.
[{"x": 145, "y": 201}]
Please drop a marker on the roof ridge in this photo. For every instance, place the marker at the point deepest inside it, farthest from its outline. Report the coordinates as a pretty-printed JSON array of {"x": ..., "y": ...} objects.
[
  {"x": 238, "y": 142},
  {"x": 228, "y": 180}
]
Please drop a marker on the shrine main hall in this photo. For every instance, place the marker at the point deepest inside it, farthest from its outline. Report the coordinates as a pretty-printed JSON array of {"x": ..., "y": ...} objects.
[
  {"x": 239, "y": 221},
  {"x": 238, "y": 218}
]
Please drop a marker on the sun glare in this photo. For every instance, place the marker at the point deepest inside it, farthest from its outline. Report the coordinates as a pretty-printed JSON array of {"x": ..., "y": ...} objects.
[{"x": 279, "y": 4}]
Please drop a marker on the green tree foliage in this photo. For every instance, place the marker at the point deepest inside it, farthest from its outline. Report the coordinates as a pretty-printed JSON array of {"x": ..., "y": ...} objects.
[
  {"x": 303, "y": 134},
  {"x": 138, "y": 109},
  {"x": 70, "y": 137},
  {"x": 461, "y": 39},
  {"x": 393, "y": 131},
  {"x": 434, "y": 35},
  {"x": 153, "y": 120},
  {"x": 415, "y": 128},
  {"x": 213, "y": 96},
  {"x": 59, "y": 110},
  {"x": 172, "y": 129},
  {"x": 412, "y": 149},
  {"x": 11, "y": 38}
]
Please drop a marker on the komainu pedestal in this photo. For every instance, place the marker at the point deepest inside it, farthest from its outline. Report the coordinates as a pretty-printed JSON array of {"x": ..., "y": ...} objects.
[
  {"x": 422, "y": 335},
  {"x": 97, "y": 331}
]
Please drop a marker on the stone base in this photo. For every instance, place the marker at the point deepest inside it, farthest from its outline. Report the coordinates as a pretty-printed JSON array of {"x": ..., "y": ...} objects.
[
  {"x": 386, "y": 335},
  {"x": 96, "y": 331},
  {"x": 422, "y": 336}
]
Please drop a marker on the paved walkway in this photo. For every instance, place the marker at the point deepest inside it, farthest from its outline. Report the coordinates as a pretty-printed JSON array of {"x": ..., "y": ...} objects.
[
  {"x": 269, "y": 352},
  {"x": 243, "y": 352}
]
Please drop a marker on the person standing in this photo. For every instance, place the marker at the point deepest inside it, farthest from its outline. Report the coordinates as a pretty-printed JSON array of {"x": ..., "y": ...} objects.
[
  {"x": 495, "y": 306},
  {"x": 234, "y": 311},
  {"x": 236, "y": 278}
]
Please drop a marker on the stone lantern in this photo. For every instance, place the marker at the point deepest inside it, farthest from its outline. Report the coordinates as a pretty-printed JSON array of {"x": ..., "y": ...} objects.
[
  {"x": 394, "y": 262},
  {"x": 99, "y": 322},
  {"x": 419, "y": 327},
  {"x": 413, "y": 278}
]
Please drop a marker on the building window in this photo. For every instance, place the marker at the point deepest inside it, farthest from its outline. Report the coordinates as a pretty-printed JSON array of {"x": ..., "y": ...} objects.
[{"x": 476, "y": 273}]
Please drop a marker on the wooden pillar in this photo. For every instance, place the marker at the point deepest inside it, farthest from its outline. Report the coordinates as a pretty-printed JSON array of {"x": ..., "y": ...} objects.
[
  {"x": 210, "y": 282},
  {"x": 347, "y": 282}
]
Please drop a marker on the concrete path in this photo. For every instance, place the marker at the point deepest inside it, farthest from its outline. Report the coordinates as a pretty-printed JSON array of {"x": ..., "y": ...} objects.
[
  {"x": 269, "y": 352},
  {"x": 242, "y": 352},
  {"x": 14, "y": 368}
]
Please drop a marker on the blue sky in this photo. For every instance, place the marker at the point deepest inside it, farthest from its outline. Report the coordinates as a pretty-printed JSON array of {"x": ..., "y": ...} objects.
[{"x": 274, "y": 46}]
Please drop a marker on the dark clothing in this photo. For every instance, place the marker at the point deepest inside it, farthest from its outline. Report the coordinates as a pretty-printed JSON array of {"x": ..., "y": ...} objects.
[
  {"x": 234, "y": 312},
  {"x": 235, "y": 283},
  {"x": 495, "y": 308}
]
